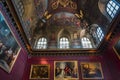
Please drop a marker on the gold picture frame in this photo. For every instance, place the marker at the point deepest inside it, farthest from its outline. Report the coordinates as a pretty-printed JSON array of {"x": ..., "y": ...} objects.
[
  {"x": 66, "y": 70},
  {"x": 40, "y": 72},
  {"x": 9, "y": 47},
  {"x": 91, "y": 70},
  {"x": 116, "y": 48}
]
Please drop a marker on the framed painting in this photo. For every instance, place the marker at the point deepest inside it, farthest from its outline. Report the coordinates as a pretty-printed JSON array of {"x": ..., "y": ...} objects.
[
  {"x": 66, "y": 70},
  {"x": 116, "y": 48},
  {"x": 91, "y": 70},
  {"x": 40, "y": 72},
  {"x": 9, "y": 47}
]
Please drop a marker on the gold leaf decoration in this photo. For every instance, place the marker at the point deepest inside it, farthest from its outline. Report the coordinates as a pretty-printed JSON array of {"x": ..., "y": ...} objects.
[
  {"x": 64, "y": 3},
  {"x": 80, "y": 15},
  {"x": 73, "y": 5},
  {"x": 55, "y": 5},
  {"x": 47, "y": 15}
]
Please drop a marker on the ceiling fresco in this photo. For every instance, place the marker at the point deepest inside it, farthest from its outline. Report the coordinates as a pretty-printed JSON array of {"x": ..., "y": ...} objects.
[
  {"x": 56, "y": 18},
  {"x": 64, "y": 19},
  {"x": 41, "y": 7}
]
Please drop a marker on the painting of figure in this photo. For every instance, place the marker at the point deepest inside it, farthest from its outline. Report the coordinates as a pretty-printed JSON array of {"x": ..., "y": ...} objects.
[
  {"x": 66, "y": 70},
  {"x": 116, "y": 48},
  {"x": 9, "y": 47},
  {"x": 40, "y": 72},
  {"x": 91, "y": 70}
]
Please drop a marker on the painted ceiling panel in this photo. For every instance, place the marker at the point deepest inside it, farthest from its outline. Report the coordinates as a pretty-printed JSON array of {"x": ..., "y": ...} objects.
[{"x": 74, "y": 19}]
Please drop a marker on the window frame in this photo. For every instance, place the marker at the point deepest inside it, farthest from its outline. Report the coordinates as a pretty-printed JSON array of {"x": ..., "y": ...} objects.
[
  {"x": 112, "y": 8},
  {"x": 99, "y": 33},
  {"x": 65, "y": 44},
  {"x": 86, "y": 43},
  {"x": 41, "y": 43}
]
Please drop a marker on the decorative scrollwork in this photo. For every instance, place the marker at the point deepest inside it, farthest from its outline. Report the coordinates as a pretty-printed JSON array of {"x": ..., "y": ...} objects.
[
  {"x": 55, "y": 5},
  {"x": 80, "y": 15},
  {"x": 73, "y": 5},
  {"x": 64, "y": 3}
]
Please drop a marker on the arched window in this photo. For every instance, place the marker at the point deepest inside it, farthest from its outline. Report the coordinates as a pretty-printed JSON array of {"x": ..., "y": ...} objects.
[
  {"x": 64, "y": 42},
  {"x": 86, "y": 42},
  {"x": 112, "y": 8},
  {"x": 42, "y": 43},
  {"x": 100, "y": 33}
]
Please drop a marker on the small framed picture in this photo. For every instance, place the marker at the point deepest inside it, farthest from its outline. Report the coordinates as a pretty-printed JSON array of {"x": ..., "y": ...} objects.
[
  {"x": 40, "y": 72},
  {"x": 116, "y": 48},
  {"x": 66, "y": 70},
  {"x": 91, "y": 70}
]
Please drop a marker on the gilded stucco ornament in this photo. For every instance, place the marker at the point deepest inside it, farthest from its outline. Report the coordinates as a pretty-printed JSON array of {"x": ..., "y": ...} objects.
[
  {"x": 64, "y": 3},
  {"x": 80, "y": 15},
  {"x": 47, "y": 15},
  {"x": 55, "y": 5}
]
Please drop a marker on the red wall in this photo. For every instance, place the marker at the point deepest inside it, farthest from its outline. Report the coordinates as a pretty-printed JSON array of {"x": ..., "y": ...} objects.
[
  {"x": 17, "y": 70},
  {"x": 19, "y": 66},
  {"x": 112, "y": 59},
  {"x": 50, "y": 61}
]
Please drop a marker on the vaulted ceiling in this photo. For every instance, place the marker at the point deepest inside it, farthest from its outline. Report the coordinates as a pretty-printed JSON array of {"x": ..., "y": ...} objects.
[{"x": 55, "y": 18}]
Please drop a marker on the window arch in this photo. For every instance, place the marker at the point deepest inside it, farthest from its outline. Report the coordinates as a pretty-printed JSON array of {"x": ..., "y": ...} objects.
[
  {"x": 86, "y": 43},
  {"x": 100, "y": 33},
  {"x": 64, "y": 43},
  {"x": 42, "y": 43},
  {"x": 112, "y": 8}
]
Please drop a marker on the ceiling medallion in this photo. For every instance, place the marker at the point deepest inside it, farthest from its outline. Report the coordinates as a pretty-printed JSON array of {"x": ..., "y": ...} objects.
[{"x": 64, "y": 3}]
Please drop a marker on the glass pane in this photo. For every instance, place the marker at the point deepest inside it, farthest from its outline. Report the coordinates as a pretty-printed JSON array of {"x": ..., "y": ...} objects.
[
  {"x": 113, "y": 4},
  {"x": 117, "y": 7},
  {"x": 86, "y": 43},
  {"x": 64, "y": 43},
  {"x": 100, "y": 33},
  {"x": 112, "y": 8},
  {"x": 42, "y": 43},
  {"x": 110, "y": 2}
]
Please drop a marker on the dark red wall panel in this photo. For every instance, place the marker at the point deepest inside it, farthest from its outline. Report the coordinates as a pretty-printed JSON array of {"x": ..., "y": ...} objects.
[
  {"x": 17, "y": 70},
  {"x": 20, "y": 63},
  {"x": 112, "y": 59}
]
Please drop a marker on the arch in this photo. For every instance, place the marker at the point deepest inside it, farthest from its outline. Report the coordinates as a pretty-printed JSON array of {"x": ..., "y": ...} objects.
[{"x": 64, "y": 32}]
